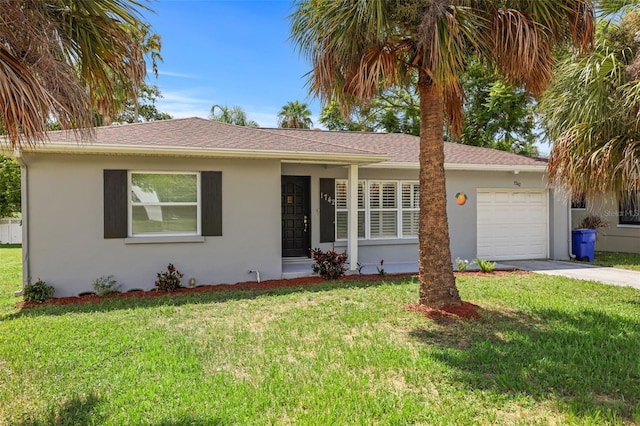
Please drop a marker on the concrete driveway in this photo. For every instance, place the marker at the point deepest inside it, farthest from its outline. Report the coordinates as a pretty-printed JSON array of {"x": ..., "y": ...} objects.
[{"x": 580, "y": 271}]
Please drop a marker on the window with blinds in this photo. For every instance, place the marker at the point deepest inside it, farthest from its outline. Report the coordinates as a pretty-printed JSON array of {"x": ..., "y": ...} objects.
[
  {"x": 410, "y": 209},
  {"x": 342, "y": 212},
  {"x": 386, "y": 209},
  {"x": 383, "y": 210}
]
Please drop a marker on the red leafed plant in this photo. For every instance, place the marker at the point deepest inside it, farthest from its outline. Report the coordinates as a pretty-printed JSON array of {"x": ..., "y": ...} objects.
[
  {"x": 170, "y": 279},
  {"x": 329, "y": 265}
]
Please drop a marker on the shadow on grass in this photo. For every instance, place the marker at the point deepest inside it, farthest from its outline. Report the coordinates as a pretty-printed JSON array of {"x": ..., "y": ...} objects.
[
  {"x": 77, "y": 411},
  {"x": 203, "y": 297},
  {"x": 615, "y": 259},
  {"x": 587, "y": 360}
]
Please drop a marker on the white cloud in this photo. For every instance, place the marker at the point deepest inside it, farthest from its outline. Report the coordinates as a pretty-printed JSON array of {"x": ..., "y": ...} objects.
[
  {"x": 184, "y": 104},
  {"x": 173, "y": 74}
]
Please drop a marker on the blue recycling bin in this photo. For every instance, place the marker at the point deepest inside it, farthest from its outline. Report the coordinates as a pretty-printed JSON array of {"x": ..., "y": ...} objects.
[{"x": 583, "y": 242}]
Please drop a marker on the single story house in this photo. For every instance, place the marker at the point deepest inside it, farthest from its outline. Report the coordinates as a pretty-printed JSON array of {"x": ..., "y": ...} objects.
[{"x": 228, "y": 204}]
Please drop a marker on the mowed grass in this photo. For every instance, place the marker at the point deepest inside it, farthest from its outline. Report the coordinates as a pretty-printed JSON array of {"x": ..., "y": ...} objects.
[
  {"x": 547, "y": 350},
  {"x": 618, "y": 260}
]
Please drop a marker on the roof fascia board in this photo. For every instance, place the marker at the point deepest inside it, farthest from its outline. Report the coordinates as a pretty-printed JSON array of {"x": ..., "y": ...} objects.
[
  {"x": 469, "y": 167},
  {"x": 204, "y": 152}
]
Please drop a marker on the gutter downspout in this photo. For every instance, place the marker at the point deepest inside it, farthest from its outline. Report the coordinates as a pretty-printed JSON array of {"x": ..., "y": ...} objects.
[
  {"x": 24, "y": 184},
  {"x": 571, "y": 255}
]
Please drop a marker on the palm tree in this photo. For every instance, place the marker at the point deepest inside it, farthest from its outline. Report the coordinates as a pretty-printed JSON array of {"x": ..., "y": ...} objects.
[
  {"x": 60, "y": 58},
  {"x": 231, "y": 115},
  {"x": 595, "y": 131},
  {"x": 359, "y": 47},
  {"x": 295, "y": 115}
]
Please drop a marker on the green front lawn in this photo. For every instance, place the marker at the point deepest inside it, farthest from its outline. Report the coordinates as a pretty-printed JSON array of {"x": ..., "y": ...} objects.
[
  {"x": 618, "y": 260},
  {"x": 548, "y": 350}
]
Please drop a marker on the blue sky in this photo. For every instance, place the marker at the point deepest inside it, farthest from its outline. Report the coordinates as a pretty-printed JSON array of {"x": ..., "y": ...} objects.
[{"x": 231, "y": 52}]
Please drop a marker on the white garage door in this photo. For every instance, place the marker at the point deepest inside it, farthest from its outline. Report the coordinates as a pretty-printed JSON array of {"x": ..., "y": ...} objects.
[{"x": 512, "y": 224}]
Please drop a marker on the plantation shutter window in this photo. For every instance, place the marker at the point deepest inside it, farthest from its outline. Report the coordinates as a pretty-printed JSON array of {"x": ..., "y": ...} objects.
[
  {"x": 386, "y": 209},
  {"x": 342, "y": 213},
  {"x": 383, "y": 211},
  {"x": 410, "y": 209}
]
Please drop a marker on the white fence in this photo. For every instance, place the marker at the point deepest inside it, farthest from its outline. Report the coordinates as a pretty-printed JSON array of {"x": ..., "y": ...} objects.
[{"x": 10, "y": 231}]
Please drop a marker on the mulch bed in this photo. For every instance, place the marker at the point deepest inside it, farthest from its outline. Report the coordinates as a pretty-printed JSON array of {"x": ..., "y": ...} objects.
[{"x": 249, "y": 285}]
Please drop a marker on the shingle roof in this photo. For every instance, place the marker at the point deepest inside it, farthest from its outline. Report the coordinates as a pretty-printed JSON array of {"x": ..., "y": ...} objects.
[
  {"x": 403, "y": 148},
  {"x": 198, "y": 134}
]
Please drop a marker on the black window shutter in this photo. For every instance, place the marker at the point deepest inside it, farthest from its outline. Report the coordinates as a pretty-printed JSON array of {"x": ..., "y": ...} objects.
[
  {"x": 115, "y": 203},
  {"x": 211, "y": 193},
  {"x": 327, "y": 210}
]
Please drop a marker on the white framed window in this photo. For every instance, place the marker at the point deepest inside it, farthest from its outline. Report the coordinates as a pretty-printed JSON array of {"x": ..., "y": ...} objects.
[
  {"x": 410, "y": 209},
  {"x": 386, "y": 209},
  {"x": 383, "y": 210},
  {"x": 342, "y": 212},
  {"x": 164, "y": 203}
]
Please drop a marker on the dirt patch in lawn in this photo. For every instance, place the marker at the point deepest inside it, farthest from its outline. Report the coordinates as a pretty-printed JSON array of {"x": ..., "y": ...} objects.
[
  {"x": 249, "y": 285},
  {"x": 465, "y": 311}
]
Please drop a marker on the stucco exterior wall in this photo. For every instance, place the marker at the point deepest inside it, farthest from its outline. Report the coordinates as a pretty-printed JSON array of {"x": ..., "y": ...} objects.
[
  {"x": 462, "y": 219},
  {"x": 615, "y": 237},
  {"x": 66, "y": 244}
]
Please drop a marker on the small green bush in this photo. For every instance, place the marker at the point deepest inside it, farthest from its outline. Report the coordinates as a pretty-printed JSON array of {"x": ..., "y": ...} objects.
[
  {"x": 329, "y": 265},
  {"x": 463, "y": 264},
  {"x": 170, "y": 279},
  {"x": 485, "y": 265},
  {"x": 38, "y": 291},
  {"x": 105, "y": 285}
]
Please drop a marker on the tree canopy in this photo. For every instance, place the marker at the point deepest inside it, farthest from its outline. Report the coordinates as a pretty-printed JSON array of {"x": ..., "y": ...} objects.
[
  {"x": 9, "y": 187},
  {"x": 295, "y": 115},
  {"x": 144, "y": 108},
  {"x": 591, "y": 114},
  {"x": 358, "y": 48},
  {"x": 231, "y": 115},
  {"x": 61, "y": 58},
  {"x": 496, "y": 114}
]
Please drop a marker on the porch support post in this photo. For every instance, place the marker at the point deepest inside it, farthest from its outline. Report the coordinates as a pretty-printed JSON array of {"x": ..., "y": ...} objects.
[{"x": 352, "y": 221}]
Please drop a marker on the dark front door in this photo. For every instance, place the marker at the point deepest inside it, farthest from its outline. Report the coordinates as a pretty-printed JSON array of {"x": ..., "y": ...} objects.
[{"x": 296, "y": 220}]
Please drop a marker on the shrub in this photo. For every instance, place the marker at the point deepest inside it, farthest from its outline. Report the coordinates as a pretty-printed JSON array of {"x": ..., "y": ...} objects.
[
  {"x": 463, "y": 264},
  {"x": 329, "y": 265},
  {"x": 485, "y": 265},
  {"x": 170, "y": 279},
  {"x": 380, "y": 268},
  {"x": 592, "y": 222},
  {"x": 38, "y": 291},
  {"x": 105, "y": 285}
]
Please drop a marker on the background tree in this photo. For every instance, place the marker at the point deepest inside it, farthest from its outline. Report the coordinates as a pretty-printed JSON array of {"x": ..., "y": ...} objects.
[
  {"x": 144, "y": 109},
  {"x": 231, "y": 115},
  {"x": 295, "y": 115},
  {"x": 591, "y": 114},
  {"x": 358, "y": 119},
  {"x": 497, "y": 114},
  {"x": 359, "y": 48},
  {"x": 9, "y": 187},
  {"x": 60, "y": 58}
]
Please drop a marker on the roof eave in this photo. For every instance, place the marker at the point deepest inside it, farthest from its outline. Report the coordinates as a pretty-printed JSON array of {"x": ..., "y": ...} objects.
[
  {"x": 108, "y": 149},
  {"x": 458, "y": 166}
]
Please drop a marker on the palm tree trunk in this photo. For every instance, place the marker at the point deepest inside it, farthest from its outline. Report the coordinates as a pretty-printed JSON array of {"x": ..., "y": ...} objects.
[{"x": 437, "y": 283}]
